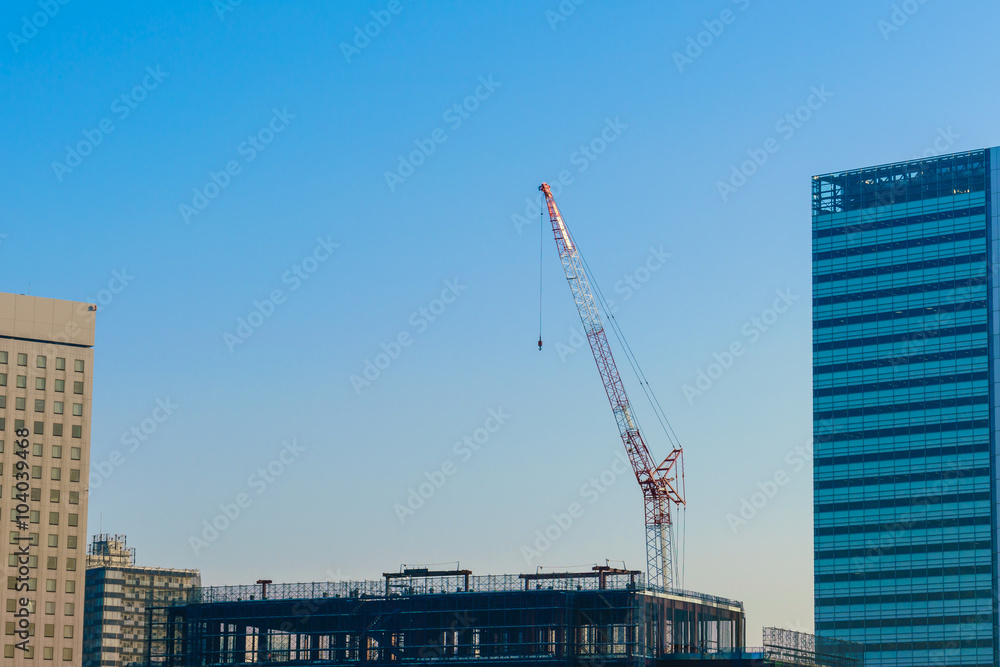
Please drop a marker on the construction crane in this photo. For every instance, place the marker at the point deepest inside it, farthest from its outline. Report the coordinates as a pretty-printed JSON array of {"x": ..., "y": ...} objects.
[{"x": 662, "y": 485}]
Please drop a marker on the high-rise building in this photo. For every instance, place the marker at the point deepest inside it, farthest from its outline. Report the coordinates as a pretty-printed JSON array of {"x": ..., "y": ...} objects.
[
  {"x": 46, "y": 365},
  {"x": 906, "y": 328},
  {"x": 118, "y": 593}
]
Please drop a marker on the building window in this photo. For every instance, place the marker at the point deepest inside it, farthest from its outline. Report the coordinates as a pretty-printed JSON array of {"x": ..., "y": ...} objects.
[
  {"x": 71, "y": 564},
  {"x": 53, "y": 498},
  {"x": 57, "y": 407},
  {"x": 36, "y": 495},
  {"x": 50, "y": 630},
  {"x": 78, "y": 409},
  {"x": 3, "y": 401},
  {"x": 40, "y": 384},
  {"x": 36, "y": 449},
  {"x": 40, "y": 361},
  {"x": 74, "y": 452},
  {"x": 60, "y": 363},
  {"x": 73, "y": 520},
  {"x": 69, "y": 609},
  {"x": 22, "y": 381},
  {"x": 78, "y": 365},
  {"x": 39, "y": 405},
  {"x": 3, "y": 423},
  {"x": 71, "y": 542},
  {"x": 19, "y": 402},
  {"x": 18, "y": 424},
  {"x": 70, "y": 586},
  {"x": 68, "y": 652},
  {"x": 50, "y": 585},
  {"x": 74, "y": 475},
  {"x": 39, "y": 428},
  {"x": 47, "y": 653},
  {"x": 34, "y": 516},
  {"x": 77, "y": 431},
  {"x": 51, "y": 563},
  {"x": 74, "y": 497},
  {"x": 3, "y": 379},
  {"x": 57, "y": 429},
  {"x": 61, "y": 385},
  {"x": 3, "y": 357},
  {"x": 53, "y": 518},
  {"x": 53, "y": 542},
  {"x": 22, "y": 359},
  {"x": 56, "y": 474},
  {"x": 77, "y": 387},
  {"x": 36, "y": 472}
]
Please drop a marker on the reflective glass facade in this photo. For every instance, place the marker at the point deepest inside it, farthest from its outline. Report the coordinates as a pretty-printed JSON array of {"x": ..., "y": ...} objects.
[{"x": 905, "y": 320}]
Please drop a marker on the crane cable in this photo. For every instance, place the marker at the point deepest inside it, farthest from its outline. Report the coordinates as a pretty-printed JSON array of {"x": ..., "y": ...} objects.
[
  {"x": 630, "y": 356},
  {"x": 541, "y": 255},
  {"x": 650, "y": 396}
]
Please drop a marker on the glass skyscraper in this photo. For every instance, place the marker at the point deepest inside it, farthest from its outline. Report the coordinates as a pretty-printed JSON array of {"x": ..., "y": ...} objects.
[{"x": 906, "y": 319}]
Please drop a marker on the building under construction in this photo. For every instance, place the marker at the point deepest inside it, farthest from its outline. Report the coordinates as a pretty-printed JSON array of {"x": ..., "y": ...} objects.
[{"x": 606, "y": 616}]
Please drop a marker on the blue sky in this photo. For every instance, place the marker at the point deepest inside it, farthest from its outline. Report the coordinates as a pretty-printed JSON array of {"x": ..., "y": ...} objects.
[{"x": 279, "y": 138}]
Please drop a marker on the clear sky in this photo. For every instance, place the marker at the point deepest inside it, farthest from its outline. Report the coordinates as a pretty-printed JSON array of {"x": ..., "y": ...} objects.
[{"x": 264, "y": 199}]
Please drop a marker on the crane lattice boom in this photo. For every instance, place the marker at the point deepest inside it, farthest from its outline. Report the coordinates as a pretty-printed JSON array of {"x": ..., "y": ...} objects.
[{"x": 661, "y": 484}]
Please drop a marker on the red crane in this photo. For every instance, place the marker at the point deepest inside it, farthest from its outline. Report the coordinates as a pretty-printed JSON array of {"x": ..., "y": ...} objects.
[{"x": 662, "y": 485}]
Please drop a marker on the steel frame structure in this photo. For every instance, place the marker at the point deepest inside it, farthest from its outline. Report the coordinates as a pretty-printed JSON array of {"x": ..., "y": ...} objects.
[
  {"x": 662, "y": 485},
  {"x": 604, "y": 617}
]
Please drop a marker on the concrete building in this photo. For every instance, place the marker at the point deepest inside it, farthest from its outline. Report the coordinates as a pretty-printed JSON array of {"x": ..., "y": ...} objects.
[
  {"x": 46, "y": 366},
  {"x": 906, "y": 327},
  {"x": 118, "y": 593}
]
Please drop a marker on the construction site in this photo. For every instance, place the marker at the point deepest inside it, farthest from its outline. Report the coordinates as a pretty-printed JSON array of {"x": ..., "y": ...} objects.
[{"x": 601, "y": 616}]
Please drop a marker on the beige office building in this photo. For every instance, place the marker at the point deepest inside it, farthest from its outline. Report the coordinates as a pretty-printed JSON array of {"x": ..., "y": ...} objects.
[{"x": 46, "y": 373}]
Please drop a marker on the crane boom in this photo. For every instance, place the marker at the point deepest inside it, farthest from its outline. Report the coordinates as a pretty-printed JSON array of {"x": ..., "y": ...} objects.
[{"x": 662, "y": 485}]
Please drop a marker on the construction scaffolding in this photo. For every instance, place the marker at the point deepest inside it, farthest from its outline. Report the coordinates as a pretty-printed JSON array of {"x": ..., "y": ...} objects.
[
  {"x": 801, "y": 648},
  {"x": 606, "y": 616}
]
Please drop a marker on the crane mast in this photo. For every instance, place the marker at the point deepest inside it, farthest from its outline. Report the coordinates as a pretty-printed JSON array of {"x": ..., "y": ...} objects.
[{"x": 662, "y": 485}]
